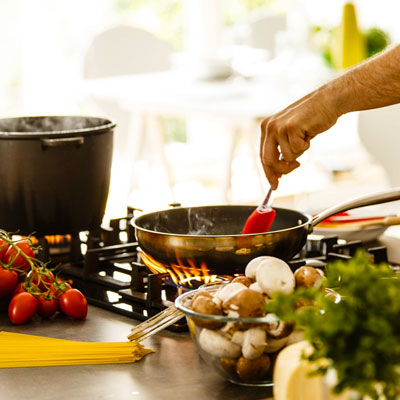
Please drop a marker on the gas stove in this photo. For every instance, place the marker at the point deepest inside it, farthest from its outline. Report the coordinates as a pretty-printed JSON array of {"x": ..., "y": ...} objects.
[{"x": 106, "y": 265}]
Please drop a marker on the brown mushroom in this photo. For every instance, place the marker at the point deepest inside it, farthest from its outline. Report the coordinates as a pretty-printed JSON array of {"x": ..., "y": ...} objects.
[
  {"x": 242, "y": 279},
  {"x": 247, "y": 303},
  {"x": 307, "y": 276},
  {"x": 200, "y": 293},
  {"x": 206, "y": 305},
  {"x": 229, "y": 365},
  {"x": 229, "y": 290},
  {"x": 253, "y": 370}
]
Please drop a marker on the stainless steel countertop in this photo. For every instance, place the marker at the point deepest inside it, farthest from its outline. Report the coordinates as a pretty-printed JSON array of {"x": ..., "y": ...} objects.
[{"x": 174, "y": 371}]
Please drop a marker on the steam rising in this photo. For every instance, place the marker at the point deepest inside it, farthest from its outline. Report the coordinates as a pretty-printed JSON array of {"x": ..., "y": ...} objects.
[
  {"x": 53, "y": 124},
  {"x": 198, "y": 225}
]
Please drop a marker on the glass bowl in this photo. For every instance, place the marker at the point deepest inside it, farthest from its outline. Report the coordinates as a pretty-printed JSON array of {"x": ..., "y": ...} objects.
[
  {"x": 241, "y": 350},
  {"x": 213, "y": 336}
]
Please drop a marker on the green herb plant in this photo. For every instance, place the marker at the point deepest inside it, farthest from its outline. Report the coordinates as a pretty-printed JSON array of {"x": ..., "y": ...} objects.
[{"x": 358, "y": 332}]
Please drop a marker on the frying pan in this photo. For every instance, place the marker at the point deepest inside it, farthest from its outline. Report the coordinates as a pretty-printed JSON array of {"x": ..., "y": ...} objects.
[{"x": 210, "y": 236}]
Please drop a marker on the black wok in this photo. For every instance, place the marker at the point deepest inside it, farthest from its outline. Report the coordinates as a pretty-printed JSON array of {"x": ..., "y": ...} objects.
[{"x": 210, "y": 235}]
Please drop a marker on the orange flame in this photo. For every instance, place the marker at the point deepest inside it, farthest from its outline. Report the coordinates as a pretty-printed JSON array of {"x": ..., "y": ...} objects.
[
  {"x": 53, "y": 239},
  {"x": 179, "y": 272}
]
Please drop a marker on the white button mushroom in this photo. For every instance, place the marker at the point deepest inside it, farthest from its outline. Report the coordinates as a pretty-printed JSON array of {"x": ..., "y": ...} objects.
[
  {"x": 238, "y": 337},
  {"x": 256, "y": 287},
  {"x": 295, "y": 337},
  {"x": 274, "y": 345},
  {"x": 252, "y": 266},
  {"x": 278, "y": 329},
  {"x": 274, "y": 275},
  {"x": 254, "y": 342},
  {"x": 230, "y": 328},
  {"x": 217, "y": 344}
]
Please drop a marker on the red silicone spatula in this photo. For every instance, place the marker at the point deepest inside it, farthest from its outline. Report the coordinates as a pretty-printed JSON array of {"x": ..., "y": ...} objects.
[{"x": 261, "y": 218}]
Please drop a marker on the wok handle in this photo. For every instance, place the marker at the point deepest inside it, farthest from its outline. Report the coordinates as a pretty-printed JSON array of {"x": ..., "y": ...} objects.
[{"x": 368, "y": 200}]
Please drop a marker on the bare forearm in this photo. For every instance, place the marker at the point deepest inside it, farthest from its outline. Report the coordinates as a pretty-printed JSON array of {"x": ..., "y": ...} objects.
[
  {"x": 287, "y": 134},
  {"x": 372, "y": 84}
]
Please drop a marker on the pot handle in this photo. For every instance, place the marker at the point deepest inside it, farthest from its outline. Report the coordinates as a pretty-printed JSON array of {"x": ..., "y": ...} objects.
[
  {"x": 368, "y": 200},
  {"x": 59, "y": 142}
]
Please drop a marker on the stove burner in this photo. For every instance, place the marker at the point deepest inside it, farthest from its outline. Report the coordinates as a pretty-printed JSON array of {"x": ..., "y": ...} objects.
[{"x": 111, "y": 274}]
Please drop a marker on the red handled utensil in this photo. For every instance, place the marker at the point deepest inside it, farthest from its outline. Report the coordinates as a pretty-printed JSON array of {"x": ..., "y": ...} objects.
[{"x": 261, "y": 218}]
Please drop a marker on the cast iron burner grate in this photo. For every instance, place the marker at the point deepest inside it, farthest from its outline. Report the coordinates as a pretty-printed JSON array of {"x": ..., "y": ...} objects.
[{"x": 112, "y": 275}]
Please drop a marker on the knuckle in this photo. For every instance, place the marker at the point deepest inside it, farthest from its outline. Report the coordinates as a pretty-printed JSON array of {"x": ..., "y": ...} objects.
[
  {"x": 293, "y": 123},
  {"x": 298, "y": 144},
  {"x": 272, "y": 125}
]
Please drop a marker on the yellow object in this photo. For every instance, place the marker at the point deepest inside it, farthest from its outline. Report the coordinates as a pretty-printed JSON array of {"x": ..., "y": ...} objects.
[
  {"x": 348, "y": 44},
  {"x": 20, "y": 350},
  {"x": 291, "y": 379}
]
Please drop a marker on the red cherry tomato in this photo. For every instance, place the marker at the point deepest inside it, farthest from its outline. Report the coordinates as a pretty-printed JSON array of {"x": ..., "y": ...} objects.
[
  {"x": 59, "y": 287},
  {"x": 22, "y": 308},
  {"x": 73, "y": 303},
  {"x": 45, "y": 280},
  {"x": 18, "y": 289},
  {"x": 8, "y": 281},
  {"x": 19, "y": 261},
  {"x": 47, "y": 307},
  {"x": 3, "y": 248}
]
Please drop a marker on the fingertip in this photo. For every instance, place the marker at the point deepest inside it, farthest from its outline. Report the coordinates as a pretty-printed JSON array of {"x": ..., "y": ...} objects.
[
  {"x": 276, "y": 181},
  {"x": 272, "y": 179}
]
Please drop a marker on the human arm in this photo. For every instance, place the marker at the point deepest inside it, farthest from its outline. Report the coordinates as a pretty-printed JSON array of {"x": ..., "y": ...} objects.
[{"x": 286, "y": 135}]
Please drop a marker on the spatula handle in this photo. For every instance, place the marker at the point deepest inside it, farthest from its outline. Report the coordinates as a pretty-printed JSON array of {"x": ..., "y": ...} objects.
[{"x": 266, "y": 205}]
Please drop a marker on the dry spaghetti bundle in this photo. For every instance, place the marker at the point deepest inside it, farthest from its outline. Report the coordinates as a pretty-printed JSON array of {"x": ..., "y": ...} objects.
[{"x": 20, "y": 350}]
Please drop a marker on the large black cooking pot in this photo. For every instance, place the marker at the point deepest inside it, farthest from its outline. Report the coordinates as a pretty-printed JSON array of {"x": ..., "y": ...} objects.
[
  {"x": 54, "y": 173},
  {"x": 210, "y": 236}
]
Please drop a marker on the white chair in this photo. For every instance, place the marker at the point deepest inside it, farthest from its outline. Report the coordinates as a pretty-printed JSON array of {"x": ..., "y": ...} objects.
[
  {"x": 379, "y": 132},
  {"x": 125, "y": 50}
]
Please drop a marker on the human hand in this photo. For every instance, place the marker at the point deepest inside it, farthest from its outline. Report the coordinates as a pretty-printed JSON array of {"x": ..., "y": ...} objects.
[{"x": 286, "y": 135}]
